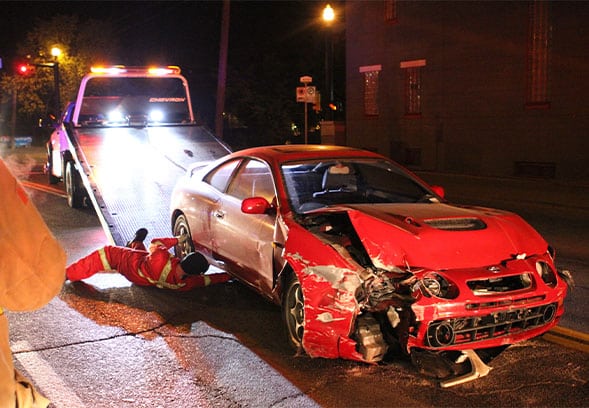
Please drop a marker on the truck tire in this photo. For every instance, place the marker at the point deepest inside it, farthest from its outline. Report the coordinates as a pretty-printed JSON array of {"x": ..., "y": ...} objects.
[
  {"x": 73, "y": 186},
  {"x": 49, "y": 169}
]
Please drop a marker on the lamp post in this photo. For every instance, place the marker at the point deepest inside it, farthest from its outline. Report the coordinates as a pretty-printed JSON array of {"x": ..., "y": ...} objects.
[
  {"x": 56, "y": 52},
  {"x": 328, "y": 16}
]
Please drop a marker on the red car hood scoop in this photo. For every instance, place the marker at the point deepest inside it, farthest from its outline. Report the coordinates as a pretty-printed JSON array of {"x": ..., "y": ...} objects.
[
  {"x": 441, "y": 236},
  {"x": 456, "y": 224}
]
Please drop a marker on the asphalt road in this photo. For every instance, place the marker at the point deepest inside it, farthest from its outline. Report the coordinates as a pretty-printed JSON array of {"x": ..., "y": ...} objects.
[{"x": 107, "y": 343}]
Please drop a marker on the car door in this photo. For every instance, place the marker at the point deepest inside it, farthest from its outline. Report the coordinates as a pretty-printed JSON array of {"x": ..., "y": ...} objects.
[
  {"x": 203, "y": 199},
  {"x": 245, "y": 241}
]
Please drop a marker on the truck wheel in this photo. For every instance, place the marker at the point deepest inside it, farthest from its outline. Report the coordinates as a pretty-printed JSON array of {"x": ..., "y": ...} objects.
[
  {"x": 181, "y": 228},
  {"x": 293, "y": 312},
  {"x": 49, "y": 169},
  {"x": 73, "y": 187}
]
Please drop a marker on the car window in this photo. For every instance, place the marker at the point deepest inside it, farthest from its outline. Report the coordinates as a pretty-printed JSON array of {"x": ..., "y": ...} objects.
[
  {"x": 313, "y": 184},
  {"x": 219, "y": 177},
  {"x": 252, "y": 180}
]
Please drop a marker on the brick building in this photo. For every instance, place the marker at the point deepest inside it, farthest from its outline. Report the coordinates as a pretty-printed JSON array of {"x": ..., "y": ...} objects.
[{"x": 497, "y": 88}]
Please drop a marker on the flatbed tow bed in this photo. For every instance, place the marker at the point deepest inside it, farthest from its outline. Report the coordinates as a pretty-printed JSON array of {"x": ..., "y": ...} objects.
[{"x": 130, "y": 187}]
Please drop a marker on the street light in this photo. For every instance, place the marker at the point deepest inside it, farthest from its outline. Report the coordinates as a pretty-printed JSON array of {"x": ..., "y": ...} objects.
[
  {"x": 328, "y": 14},
  {"x": 56, "y": 53},
  {"x": 329, "y": 17}
]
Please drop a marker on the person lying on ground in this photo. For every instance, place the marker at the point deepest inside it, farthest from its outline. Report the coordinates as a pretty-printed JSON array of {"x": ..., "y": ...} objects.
[{"x": 154, "y": 266}]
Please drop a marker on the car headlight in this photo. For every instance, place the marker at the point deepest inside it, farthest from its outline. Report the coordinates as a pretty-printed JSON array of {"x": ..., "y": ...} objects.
[
  {"x": 436, "y": 285},
  {"x": 115, "y": 116},
  {"x": 156, "y": 115},
  {"x": 546, "y": 273}
]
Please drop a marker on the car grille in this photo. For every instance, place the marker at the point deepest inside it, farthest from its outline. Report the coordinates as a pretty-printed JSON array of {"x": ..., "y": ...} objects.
[
  {"x": 503, "y": 284},
  {"x": 456, "y": 224},
  {"x": 449, "y": 332}
]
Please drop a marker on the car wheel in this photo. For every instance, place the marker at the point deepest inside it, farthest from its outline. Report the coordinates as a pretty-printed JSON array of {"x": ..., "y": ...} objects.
[
  {"x": 181, "y": 227},
  {"x": 73, "y": 187},
  {"x": 49, "y": 169},
  {"x": 293, "y": 312}
]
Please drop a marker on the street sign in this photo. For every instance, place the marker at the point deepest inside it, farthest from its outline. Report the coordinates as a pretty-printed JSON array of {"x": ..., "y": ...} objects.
[{"x": 306, "y": 94}]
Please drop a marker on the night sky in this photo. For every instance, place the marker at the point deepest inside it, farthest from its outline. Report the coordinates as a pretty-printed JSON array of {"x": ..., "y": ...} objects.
[
  {"x": 175, "y": 32},
  {"x": 186, "y": 33}
]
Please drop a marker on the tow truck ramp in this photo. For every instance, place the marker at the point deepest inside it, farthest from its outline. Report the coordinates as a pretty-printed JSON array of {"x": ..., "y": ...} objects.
[{"x": 129, "y": 173}]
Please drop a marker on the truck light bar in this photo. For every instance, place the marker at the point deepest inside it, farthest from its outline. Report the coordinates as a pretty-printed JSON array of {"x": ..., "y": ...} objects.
[{"x": 121, "y": 69}]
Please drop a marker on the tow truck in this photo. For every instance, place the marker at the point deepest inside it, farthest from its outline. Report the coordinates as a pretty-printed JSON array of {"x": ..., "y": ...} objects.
[{"x": 122, "y": 144}]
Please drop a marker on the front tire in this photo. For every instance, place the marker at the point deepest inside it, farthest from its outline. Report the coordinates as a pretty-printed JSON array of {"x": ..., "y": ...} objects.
[
  {"x": 293, "y": 312},
  {"x": 49, "y": 169},
  {"x": 73, "y": 187},
  {"x": 181, "y": 227}
]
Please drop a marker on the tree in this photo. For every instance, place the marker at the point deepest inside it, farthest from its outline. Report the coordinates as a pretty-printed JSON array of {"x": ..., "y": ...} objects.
[{"x": 82, "y": 43}]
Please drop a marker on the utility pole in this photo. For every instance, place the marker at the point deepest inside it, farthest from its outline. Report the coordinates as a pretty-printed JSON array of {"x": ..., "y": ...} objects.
[{"x": 222, "y": 75}]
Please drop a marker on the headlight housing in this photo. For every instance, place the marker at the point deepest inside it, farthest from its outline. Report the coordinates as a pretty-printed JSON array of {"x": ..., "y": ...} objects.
[
  {"x": 434, "y": 284},
  {"x": 546, "y": 273}
]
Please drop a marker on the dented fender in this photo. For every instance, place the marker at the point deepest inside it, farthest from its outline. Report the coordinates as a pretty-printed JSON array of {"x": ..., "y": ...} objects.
[{"x": 329, "y": 286}]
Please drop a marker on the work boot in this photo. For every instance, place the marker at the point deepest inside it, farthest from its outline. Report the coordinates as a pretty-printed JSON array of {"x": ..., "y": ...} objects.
[{"x": 138, "y": 239}]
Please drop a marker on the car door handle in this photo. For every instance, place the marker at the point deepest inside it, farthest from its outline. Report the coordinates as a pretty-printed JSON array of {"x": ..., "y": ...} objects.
[{"x": 219, "y": 214}]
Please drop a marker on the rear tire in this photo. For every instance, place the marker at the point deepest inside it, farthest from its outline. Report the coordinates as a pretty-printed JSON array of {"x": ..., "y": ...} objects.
[
  {"x": 73, "y": 187},
  {"x": 293, "y": 312},
  {"x": 181, "y": 227}
]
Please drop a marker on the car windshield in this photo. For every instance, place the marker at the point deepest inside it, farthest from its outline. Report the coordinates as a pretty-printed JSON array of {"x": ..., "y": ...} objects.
[
  {"x": 312, "y": 184},
  {"x": 134, "y": 102}
]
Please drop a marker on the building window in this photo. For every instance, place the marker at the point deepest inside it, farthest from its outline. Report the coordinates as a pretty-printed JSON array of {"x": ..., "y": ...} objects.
[
  {"x": 413, "y": 86},
  {"x": 538, "y": 61},
  {"x": 390, "y": 11},
  {"x": 371, "y": 89}
]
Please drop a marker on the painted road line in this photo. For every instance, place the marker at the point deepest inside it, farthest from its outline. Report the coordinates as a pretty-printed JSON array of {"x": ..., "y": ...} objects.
[
  {"x": 44, "y": 188},
  {"x": 45, "y": 379},
  {"x": 568, "y": 338}
]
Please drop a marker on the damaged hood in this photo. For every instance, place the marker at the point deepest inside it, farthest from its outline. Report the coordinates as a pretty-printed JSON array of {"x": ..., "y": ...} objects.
[{"x": 441, "y": 236}]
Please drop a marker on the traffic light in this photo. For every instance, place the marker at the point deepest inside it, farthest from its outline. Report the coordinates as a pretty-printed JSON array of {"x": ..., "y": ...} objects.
[{"x": 24, "y": 69}]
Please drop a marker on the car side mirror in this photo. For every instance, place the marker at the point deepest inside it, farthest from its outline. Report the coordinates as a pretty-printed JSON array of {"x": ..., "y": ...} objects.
[
  {"x": 256, "y": 205},
  {"x": 439, "y": 190}
]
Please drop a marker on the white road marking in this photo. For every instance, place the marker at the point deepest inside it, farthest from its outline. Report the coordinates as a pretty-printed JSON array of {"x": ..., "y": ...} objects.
[{"x": 45, "y": 379}]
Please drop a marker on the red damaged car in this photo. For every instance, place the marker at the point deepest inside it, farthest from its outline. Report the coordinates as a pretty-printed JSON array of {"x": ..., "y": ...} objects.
[{"x": 367, "y": 260}]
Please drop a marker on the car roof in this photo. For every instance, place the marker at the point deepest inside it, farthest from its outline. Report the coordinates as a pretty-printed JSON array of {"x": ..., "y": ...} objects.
[{"x": 282, "y": 153}]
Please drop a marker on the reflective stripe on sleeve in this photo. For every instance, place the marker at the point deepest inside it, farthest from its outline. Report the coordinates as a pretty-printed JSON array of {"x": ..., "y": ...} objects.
[{"x": 104, "y": 260}]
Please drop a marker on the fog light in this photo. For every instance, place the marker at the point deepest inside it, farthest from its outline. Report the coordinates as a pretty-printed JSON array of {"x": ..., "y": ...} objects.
[
  {"x": 549, "y": 313},
  {"x": 441, "y": 335}
]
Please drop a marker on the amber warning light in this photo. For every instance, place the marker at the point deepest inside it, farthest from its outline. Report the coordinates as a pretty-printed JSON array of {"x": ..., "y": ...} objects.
[{"x": 121, "y": 69}]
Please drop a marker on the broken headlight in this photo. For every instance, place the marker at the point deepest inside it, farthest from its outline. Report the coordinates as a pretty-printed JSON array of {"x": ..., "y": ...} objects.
[
  {"x": 434, "y": 284},
  {"x": 546, "y": 273}
]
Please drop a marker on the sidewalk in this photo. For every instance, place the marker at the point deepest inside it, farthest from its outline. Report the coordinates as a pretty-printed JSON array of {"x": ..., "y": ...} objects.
[{"x": 549, "y": 197}]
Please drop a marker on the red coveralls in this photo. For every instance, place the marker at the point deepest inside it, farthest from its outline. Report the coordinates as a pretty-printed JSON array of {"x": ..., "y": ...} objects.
[{"x": 156, "y": 267}]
